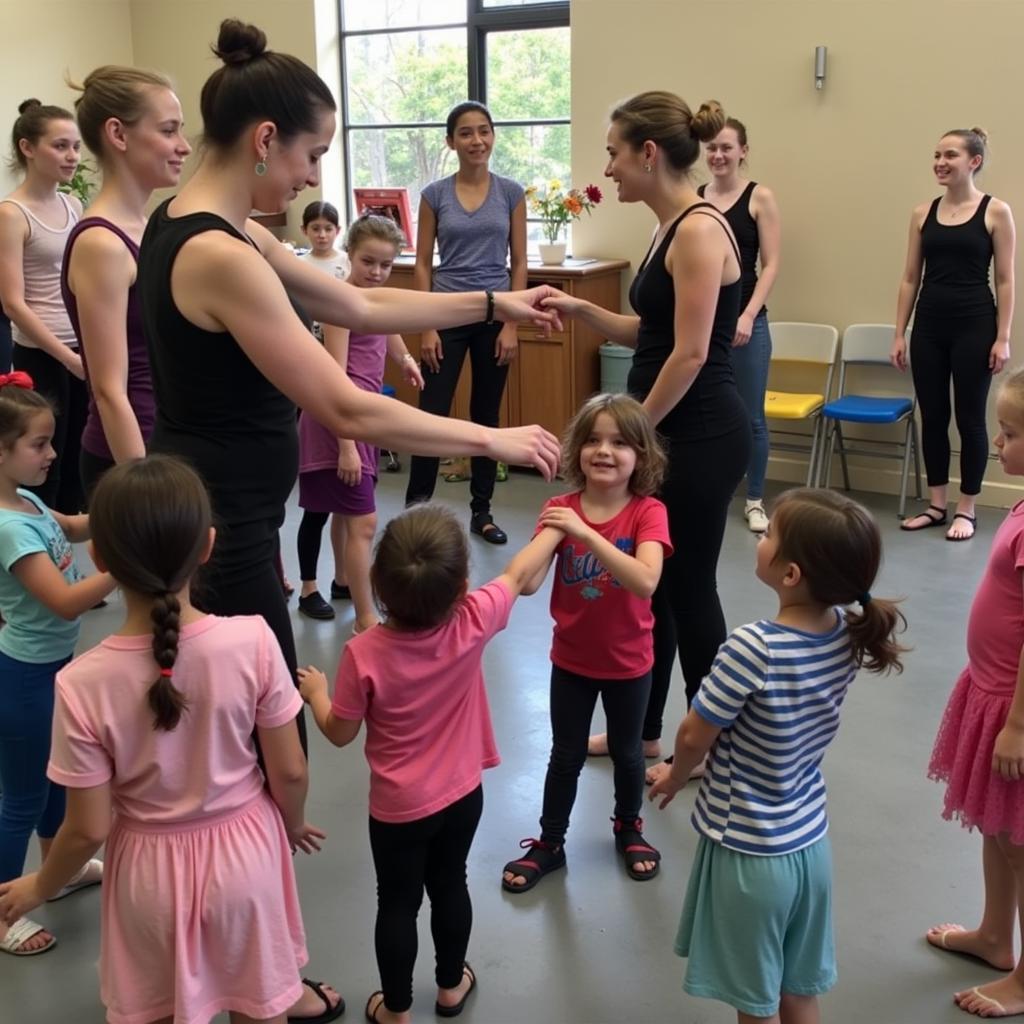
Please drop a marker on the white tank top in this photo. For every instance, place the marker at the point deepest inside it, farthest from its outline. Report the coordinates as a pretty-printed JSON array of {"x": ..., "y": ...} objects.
[{"x": 43, "y": 255}]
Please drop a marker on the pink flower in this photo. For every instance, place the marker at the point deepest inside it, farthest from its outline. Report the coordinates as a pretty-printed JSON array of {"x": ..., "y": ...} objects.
[{"x": 594, "y": 194}]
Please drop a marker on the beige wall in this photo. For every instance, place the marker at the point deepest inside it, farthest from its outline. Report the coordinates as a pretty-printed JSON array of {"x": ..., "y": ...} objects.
[
  {"x": 847, "y": 163},
  {"x": 44, "y": 40}
]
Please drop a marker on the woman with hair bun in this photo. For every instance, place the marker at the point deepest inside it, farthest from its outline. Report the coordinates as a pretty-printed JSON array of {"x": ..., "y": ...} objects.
[
  {"x": 686, "y": 302},
  {"x": 35, "y": 222},
  {"x": 132, "y": 121},
  {"x": 960, "y": 333}
]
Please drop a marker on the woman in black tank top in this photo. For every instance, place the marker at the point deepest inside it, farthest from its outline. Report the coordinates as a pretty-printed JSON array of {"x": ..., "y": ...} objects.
[
  {"x": 686, "y": 300},
  {"x": 960, "y": 333},
  {"x": 753, "y": 216}
]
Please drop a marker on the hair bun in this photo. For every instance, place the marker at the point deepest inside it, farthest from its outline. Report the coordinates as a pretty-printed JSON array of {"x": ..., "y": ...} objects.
[
  {"x": 239, "y": 43},
  {"x": 981, "y": 133},
  {"x": 27, "y": 104},
  {"x": 708, "y": 121}
]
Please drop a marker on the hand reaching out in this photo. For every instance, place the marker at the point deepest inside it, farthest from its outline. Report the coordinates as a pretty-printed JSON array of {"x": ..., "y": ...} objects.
[
  {"x": 19, "y": 897},
  {"x": 311, "y": 682}
]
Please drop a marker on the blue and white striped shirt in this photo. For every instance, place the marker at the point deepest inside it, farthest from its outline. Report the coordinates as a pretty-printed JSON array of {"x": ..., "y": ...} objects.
[{"x": 776, "y": 693}]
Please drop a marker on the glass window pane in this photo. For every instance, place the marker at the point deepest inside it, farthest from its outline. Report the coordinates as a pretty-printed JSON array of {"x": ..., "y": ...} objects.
[
  {"x": 405, "y": 77},
  {"x": 532, "y": 153},
  {"x": 528, "y": 74},
  {"x": 364, "y": 14}
]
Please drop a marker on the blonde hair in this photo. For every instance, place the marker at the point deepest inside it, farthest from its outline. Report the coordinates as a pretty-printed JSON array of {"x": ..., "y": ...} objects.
[
  {"x": 666, "y": 120},
  {"x": 1013, "y": 389},
  {"x": 113, "y": 91},
  {"x": 637, "y": 431}
]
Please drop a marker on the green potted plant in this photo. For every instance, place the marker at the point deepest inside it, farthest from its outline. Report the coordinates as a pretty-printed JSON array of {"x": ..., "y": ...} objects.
[{"x": 82, "y": 183}]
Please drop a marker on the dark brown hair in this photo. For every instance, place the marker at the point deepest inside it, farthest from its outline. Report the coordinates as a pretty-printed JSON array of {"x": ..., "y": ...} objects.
[
  {"x": 637, "y": 431},
  {"x": 975, "y": 141},
  {"x": 17, "y": 407},
  {"x": 113, "y": 91},
  {"x": 373, "y": 225},
  {"x": 317, "y": 210},
  {"x": 666, "y": 119},
  {"x": 150, "y": 523},
  {"x": 257, "y": 84},
  {"x": 838, "y": 547},
  {"x": 30, "y": 125},
  {"x": 420, "y": 567},
  {"x": 466, "y": 107}
]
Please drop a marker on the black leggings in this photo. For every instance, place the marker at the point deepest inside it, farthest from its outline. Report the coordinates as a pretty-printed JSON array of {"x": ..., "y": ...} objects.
[
  {"x": 311, "y": 528},
  {"x": 62, "y": 489},
  {"x": 488, "y": 385},
  {"x": 90, "y": 469},
  {"x": 702, "y": 478},
  {"x": 957, "y": 348},
  {"x": 572, "y": 706},
  {"x": 428, "y": 853}
]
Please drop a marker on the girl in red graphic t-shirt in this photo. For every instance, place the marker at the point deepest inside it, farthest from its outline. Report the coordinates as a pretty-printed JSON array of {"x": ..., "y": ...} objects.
[{"x": 608, "y": 564}]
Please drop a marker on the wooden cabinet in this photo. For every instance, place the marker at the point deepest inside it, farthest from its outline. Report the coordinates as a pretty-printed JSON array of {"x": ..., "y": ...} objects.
[{"x": 553, "y": 374}]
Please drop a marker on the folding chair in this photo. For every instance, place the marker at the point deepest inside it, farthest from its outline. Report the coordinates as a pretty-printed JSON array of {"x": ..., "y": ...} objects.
[
  {"x": 803, "y": 347},
  {"x": 869, "y": 345}
]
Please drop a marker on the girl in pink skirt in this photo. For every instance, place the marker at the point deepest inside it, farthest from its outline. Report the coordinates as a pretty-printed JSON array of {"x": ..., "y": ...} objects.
[
  {"x": 153, "y": 738},
  {"x": 979, "y": 752}
]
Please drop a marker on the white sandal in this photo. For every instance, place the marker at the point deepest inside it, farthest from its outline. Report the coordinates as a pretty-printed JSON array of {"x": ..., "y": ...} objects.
[
  {"x": 19, "y": 933},
  {"x": 91, "y": 874}
]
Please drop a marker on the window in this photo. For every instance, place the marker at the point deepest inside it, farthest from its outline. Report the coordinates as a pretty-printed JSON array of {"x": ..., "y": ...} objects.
[{"x": 406, "y": 63}]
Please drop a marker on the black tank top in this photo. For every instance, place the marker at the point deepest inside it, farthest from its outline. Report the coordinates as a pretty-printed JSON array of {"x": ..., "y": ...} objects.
[
  {"x": 214, "y": 408},
  {"x": 956, "y": 264},
  {"x": 744, "y": 227},
  {"x": 712, "y": 405}
]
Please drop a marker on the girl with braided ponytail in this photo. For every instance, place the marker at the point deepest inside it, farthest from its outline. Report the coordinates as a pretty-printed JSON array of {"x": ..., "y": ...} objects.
[{"x": 157, "y": 724}]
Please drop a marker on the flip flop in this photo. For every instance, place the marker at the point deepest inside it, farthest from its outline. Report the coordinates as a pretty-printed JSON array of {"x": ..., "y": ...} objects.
[
  {"x": 19, "y": 933},
  {"x": 973, "y": 520},
  {"x": 939, "y": 520},
  {"x": 454, "y": 1011},
  {"x": 91, "y": 874},
  {"x": 330, "y": 1012},
  {"x": 942, "y": 932},
  {"x": 1001, "y": 1010},
  {"x": 372, "y": 1017}
]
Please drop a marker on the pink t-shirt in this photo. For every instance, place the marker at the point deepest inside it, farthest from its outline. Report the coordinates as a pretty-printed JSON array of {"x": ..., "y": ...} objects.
[
  {"x": 428, "y": 726},
  {"x": 603, "y": 631},
  {"x": 995, "y": 628},
  {"x": 235, "y": 678}
]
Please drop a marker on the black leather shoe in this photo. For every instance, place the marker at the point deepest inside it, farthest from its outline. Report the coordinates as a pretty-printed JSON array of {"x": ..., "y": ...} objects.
[
  {"x": 315, "y": 606},
  {"x": 483, "y": 525}
]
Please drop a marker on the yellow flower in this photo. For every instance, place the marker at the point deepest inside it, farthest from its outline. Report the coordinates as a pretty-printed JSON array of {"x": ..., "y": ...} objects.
[
  {"x": 531, "y": 190},
  {"x": 554, "y": 185}
]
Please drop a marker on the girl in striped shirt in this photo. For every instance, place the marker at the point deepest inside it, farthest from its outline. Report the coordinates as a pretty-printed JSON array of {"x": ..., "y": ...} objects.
[{"x": 756, "y": 923}]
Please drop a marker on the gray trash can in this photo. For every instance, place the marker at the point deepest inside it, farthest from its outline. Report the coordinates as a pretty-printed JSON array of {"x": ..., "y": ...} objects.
[{"x": 615, "y": 363}]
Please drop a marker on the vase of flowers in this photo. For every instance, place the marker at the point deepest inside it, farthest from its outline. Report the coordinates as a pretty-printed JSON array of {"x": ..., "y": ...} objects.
[{"x": 556, "y": 206}]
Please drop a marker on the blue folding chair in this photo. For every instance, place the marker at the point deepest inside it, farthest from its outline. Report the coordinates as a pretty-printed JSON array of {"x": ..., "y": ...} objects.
[{"x": 869, "y": 345}]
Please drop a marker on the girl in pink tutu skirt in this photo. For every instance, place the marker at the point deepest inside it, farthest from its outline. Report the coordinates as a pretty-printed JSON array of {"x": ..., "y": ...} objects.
[
  {"x": 153, "y": 738},
  {"x": 979, "y": 752}
]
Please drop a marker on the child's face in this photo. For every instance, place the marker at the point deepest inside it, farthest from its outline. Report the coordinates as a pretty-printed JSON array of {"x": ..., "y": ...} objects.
[
  {"x": 372, "y": 260},
  {"x": 606, "y": 458},
  {"x": 322, "y": 235},
  {"x": 1009, "y": 441},
  {"x": 28, "y": 460}
]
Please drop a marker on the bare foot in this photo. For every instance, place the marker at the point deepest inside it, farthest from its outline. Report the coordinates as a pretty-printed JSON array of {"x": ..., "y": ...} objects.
[
  {"x": 310, "y": 1004},
  {"x": 957, "y": 939},
  {"x": 380, "y": 1014},
  {"x": 1003, "y": 998},
  {"x": 453, "y": 996},
  {"x": 597, "y": 746},
  {"x": 37, "y": 942}
]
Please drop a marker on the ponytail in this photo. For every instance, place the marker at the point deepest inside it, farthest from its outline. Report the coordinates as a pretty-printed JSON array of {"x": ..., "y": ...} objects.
[
  {"x": 166, "y": 701},
  {"x": 873, "y": 634}
]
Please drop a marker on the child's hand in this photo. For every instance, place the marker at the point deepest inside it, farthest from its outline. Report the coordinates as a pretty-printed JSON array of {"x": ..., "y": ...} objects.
[
  {"x": 667, "y": 785},
  {"x": 350, "y": 466},
  {"x": 18, "y": 897},
  {"x": 312, "y": 682},
  {"x": 307, "y": 838},
  {"x": 1008, "y": 754},
  {"x": 412, "y": 373},
  {"x": 566, "y": 520}
]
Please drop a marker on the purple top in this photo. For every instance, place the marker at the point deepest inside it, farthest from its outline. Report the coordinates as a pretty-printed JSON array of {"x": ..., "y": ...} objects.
[
  {"x": 140, "y": 381},
  {"x": 318, "y": 447}
]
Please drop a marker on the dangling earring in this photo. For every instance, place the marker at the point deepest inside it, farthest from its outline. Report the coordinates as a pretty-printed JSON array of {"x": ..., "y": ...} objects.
[
  {"x": 647, "y": 168},
  {"x": 261, "y": 167}
]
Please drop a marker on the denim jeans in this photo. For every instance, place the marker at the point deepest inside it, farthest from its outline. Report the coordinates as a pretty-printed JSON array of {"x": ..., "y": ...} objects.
[
  {"x": 30, "y": 802},
  {"x": 750, "y": 364}
]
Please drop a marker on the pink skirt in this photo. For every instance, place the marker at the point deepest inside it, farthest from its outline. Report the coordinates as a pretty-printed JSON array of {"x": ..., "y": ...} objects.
[
  {"x": 962, "y": 758},
  {"x": 200, "y": 919}
]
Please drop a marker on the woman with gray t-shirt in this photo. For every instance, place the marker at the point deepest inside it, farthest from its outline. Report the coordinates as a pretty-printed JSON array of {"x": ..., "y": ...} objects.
[{"x": 478, "y": 220}]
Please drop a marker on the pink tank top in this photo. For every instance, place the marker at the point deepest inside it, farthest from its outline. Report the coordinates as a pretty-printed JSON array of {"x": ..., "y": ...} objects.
[{"x": 43, "y": 254}]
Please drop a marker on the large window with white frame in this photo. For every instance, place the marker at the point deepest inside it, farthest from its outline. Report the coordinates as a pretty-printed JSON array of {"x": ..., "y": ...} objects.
[{"x": 406, "y": 63}]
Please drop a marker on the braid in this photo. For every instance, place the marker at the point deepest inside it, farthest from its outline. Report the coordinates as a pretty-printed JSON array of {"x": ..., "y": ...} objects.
[{"x": 166, "y": 702}]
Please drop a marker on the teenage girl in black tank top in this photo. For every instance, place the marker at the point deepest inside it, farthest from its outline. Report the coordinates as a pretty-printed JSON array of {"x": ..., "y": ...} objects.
[
  {"x": 682, "y": 372},
  {"x": 960, "y": 333}
]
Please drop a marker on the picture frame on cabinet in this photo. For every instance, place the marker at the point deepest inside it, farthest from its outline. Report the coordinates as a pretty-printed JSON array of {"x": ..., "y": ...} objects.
[{"x": 392, "y": 203}]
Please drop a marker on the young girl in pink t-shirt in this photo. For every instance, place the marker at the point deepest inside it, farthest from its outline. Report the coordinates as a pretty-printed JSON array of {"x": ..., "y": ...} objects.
[
  {"x": 608, "y": 564},
  {"x": 153, "y": 738},
  {"x": 416, "y": 681},
  {"x": 979, "y": 751}
]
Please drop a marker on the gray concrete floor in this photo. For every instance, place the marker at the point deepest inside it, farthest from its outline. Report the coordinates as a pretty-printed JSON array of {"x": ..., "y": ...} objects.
[{"x": 589, "y": 945}]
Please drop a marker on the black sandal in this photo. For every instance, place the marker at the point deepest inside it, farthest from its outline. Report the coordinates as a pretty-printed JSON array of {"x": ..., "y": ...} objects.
[
  {"x": 483, "y": 525},
  {"x": 629, "y": 841},
  {"x": 973, "y": 520},
  {"x": 542, "y": 859},
  {"x": 939, "y": 520},
  {"x": 454, "y": 1011},
  {"x": 330, "y": 1012}
]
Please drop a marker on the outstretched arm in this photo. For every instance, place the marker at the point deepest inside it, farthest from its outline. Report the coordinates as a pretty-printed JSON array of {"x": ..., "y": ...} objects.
[
  {"x": 526, "y": 572},
  {"x": 313, "y": 687}
]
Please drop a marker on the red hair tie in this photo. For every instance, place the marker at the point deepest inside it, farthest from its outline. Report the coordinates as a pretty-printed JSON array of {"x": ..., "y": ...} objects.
[
  {"x": 166, "y": 672},
  {"x": 17, "y": 378}
]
